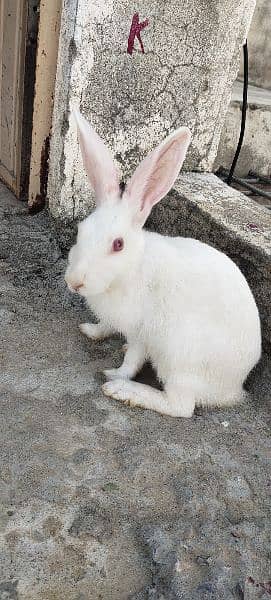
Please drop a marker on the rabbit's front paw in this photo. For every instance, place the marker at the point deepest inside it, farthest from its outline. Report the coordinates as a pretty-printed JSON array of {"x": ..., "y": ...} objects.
[
  {"x": 90, "y": 330},
  {"x": 112, "y": 374},
  {"x": 95, "y": 331}
]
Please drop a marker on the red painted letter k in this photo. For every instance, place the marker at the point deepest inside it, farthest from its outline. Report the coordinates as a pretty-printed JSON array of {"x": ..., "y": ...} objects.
[{"x": 135, "y": 30}]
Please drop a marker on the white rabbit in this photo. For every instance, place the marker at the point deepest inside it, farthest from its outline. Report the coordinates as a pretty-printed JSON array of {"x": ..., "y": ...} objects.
[{"x": 180, "y": 303}]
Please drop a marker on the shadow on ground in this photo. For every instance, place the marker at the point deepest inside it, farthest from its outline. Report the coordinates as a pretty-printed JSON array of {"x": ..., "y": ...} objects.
[{"x": 100, "y": 501}]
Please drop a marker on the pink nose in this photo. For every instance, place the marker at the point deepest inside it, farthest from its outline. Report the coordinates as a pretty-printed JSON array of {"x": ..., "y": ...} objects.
[
  {"x": 77, "y": 286},
  {"x": 74, "y": 286}
]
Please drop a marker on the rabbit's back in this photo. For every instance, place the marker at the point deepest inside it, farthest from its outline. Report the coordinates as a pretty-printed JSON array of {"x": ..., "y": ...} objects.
[{"x": 198, "y": 307}]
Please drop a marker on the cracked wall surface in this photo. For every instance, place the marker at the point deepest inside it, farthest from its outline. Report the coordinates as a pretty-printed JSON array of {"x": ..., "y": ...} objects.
[{"x": 185, "y": 76}]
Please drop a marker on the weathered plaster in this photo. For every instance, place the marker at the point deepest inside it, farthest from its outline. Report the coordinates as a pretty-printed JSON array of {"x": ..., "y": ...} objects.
[
  {"x": 259, "y": 46},
  {"x": 185, "y": 77},
  {"x": 255, "y": 154}
]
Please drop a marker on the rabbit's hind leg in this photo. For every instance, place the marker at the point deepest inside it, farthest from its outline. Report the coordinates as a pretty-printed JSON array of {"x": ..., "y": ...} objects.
[{"x": 174, "y": 401}]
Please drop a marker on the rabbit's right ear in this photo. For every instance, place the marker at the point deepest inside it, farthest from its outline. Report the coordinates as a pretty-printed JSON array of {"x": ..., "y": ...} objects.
[{"x": 98, "y": 162}]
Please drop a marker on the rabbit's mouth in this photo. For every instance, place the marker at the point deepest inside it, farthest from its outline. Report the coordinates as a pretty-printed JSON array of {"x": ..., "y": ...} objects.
[
  {"x": 75, "y": 286},
  {"x": 76, "y": 290},
  {"x": 79, "y": 289}
]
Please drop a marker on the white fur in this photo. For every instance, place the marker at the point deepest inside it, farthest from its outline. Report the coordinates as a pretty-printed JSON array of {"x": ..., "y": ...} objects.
[{"x": 180, "y": 303}]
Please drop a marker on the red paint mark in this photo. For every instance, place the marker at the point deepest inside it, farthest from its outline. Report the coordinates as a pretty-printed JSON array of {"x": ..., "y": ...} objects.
[
  {"x": 253, "y": 226},
  {"x": 135, "y": 30},
  {"x": 266, "y": 585}
]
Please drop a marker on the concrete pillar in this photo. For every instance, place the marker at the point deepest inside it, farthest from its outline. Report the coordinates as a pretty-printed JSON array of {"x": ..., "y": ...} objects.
[
  {"x": 259, "y": 46},
  {"x": 184, "y": 77}
]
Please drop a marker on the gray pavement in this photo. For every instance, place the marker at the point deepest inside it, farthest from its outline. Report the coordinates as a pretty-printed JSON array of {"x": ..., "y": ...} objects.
[{"x": 100, "y": 501}]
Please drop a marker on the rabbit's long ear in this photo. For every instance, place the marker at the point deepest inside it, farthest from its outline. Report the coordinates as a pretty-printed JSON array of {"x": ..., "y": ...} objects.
[
  {"x": 156, "y": 174},
  {"x": 98, "y": 162}
]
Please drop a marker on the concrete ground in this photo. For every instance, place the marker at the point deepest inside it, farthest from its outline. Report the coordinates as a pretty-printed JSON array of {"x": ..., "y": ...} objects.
[{"x": 100, "y": 501}]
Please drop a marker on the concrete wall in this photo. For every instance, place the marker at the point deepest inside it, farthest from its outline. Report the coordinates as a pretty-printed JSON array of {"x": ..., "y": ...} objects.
[
  {"x": 255, "y": 152},
  {"x": 184, "y": 77},
  {"x": 259, "y": 46}
]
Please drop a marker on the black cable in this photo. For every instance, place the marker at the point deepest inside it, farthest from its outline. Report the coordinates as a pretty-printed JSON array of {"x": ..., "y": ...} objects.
[
  {"x": 245, "y": 183},
  {"x": 244, "y": 112}
]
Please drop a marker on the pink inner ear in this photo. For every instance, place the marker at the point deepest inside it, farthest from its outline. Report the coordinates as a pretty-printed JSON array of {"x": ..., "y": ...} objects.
[
  {"x": 97, "y": 160},
  {"x": 160, "y": 180},
  {"x": 156, "y": 174}
]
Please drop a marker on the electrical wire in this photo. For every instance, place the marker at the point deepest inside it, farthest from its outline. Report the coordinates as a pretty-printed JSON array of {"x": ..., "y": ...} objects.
[{"x": 244, "y": 113}]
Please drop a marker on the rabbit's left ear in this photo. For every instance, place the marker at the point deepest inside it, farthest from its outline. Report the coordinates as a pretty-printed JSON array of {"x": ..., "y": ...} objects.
[
  {"x": 98, "y": 162},
  {"x": 156, "y": 174}
]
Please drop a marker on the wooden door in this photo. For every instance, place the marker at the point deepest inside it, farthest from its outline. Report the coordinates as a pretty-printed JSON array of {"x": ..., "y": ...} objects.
[{"x": 13, "y": 24}]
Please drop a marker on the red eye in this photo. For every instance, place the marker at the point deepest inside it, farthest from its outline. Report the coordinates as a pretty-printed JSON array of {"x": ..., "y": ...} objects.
[{"x": 118, "y": 245}]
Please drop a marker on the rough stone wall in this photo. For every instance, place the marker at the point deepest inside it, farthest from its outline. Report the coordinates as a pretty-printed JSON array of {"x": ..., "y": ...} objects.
[
  {"x": 184, "y": 77},
  {"x": 255, "y": 153},
  {"x": 259, "y": 46}
]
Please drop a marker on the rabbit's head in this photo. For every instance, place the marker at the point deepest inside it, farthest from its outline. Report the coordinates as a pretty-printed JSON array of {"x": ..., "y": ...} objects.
[{"x": 110, "y": 242}]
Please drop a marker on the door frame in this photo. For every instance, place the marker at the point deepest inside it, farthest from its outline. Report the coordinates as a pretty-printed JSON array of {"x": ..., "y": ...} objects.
[
  {"x": 36, "y": 62},
  {"x": 12, "y": 179},
  {"x": 45, "y": 76},
  {"x": 30, "y": 58}
]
